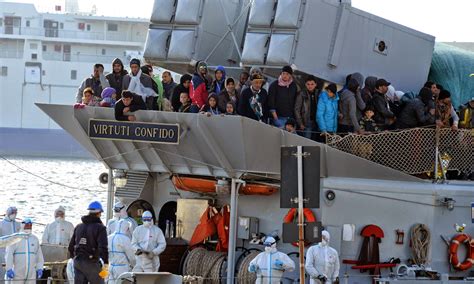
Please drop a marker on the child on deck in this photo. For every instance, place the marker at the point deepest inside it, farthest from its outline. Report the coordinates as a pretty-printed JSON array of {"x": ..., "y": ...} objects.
[
  {"x": 368, "y": 124},
  {"x": 230, "y": 109},
  {"x": 185, "y": 102},
  {"x": 88, "y": 99},
  {"x": 109, "y": 97},
  {"x": 211, "y": 107}
]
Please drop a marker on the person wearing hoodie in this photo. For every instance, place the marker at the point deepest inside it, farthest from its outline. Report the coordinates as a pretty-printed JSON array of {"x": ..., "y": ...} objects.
[
  {"x": 384, "y": 116},
  {"x": 369, "y": 89},
  {"x": 97, "y": 82},
  {"x": 306, "y": 105},
  {"x": 109, "y": 97},
  {"x": 229, "y": 94},
  {"x": 60, "y": 231},
  {"x": 137, "y": 82},
  {"x": 322, "y": 262},
  {"x": 88, "y": 246},
  {"x": 255, "y": 70},
  {"x": 182, "y": 87},
  {"x": 198, "y": 88},
  {"x": 8, "y": 226},
  {"x": 282, "y": 95},
  {"x": 218, "y": 85},
  {"x": 211, "y": 107},
  {"x": 416, "y": 112},
  {"x": 121, "y": 254},
  {"x": 327, "y": 112},
  {"x": 348, "y": 121},
  {"x": 115, "y": 78}
]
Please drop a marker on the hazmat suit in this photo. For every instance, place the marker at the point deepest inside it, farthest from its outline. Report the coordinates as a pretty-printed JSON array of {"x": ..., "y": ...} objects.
[
  {"x": 8, "y": 226},
  {"x": 270, "y": 264},
  {"x": 24, "y": 260},
  {"x": 60, "y": 231},
  {"x": 120, "y": 213},
  {"x": 322, "y": 262},
  {"x": 121, "y": 254},
  {"x": 70, "y": 270},
  {"x": 148, "y": 242}
]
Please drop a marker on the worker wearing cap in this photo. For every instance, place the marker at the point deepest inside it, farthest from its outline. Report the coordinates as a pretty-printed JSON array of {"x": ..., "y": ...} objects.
[
  {"x": 89, "y": 248},
  {"x": 270, "y": 264},
  {"x": 60, "y": 231},
  {"x": 24, "y": 260},
  {"x": 120, "y": 213}
]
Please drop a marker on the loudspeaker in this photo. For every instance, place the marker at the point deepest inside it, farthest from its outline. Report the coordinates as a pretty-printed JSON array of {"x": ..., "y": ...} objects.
[{"x": 289, "y": 177}]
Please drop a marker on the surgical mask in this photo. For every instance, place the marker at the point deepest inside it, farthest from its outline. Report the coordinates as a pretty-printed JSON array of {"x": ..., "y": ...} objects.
[
  {"x": 27, "y": 231},
  {"x": 59, "y": 219},
  {"x": 270, "y": 249},
  {"x": 117, "y": 215},
  {"x": 324, "y": 243},
  {"x": 147, "y": 223},
  {"x": 12, "y": 217}
]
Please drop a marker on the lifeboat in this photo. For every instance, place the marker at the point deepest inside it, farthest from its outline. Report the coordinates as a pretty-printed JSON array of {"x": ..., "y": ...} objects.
[{"x": 203, "y": 185}]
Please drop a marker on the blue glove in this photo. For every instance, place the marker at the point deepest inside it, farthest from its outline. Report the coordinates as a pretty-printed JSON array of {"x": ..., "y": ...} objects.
[
  {"x": 39, "y": 273},
  {"x": 252, "y": 268},
  {"x": 10, "y": 274},
  {"x": 279, "y": 264}
]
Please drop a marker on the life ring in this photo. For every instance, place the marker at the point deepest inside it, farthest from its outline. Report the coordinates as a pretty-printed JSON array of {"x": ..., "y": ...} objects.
[
  {"x": 453, "y": 251},
  {"x": 308, "y": 217}
]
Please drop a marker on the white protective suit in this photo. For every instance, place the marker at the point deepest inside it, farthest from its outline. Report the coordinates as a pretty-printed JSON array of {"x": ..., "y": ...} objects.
[
  {"x": 149, "y": 239},
  {"x": 59, "y": 232},
  {"x": 24, "y": 258},
  {"x": 321, "y": 259},
  {"x": 8, "y": 226},
  {"x": 70, "y": 270},
  {"x": 265, "y": 265},
  {"x": 121, "y": 253},
  {"x": 122, "y": 215}
]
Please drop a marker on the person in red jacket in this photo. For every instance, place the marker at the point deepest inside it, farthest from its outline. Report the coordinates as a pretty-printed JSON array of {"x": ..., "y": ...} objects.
[{"x": 198, "y": 89}]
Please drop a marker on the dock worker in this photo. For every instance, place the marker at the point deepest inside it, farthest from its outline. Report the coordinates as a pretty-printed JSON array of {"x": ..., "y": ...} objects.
[
  {"x": 148, "y": 242},
  {"x": 120, "y": 213},
  {"x": 24, "y": 260},
  {"x": 88, "y": 246},
  {"x": 270, "y": 264},
  {"x": 121, "y": 254},
  {"x": 8, "y": 226},
  {"x": 322, "y": 262},
  {"x": 60, "y": 231}
]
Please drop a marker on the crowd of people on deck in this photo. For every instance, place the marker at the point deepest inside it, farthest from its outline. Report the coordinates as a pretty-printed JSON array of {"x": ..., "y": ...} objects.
[
  {"x": 101, "y": 253},
  {"x": 311, "y": 110}
]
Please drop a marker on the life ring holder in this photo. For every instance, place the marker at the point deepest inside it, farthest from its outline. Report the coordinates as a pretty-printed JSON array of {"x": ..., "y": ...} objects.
[
  {"x": 308, "y": 217},
  {"x": 453, "y": 252}
]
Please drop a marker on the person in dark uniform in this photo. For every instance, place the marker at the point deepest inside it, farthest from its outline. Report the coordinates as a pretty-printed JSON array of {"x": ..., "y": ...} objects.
[{"x": 88, "y": 245}]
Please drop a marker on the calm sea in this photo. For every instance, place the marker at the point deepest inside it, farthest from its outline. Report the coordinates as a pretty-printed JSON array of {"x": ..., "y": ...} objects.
[{"x": 72, "y": 183}]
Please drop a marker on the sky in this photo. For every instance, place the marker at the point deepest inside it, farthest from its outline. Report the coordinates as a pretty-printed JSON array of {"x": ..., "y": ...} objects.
[{"x": 447, "y": 20}]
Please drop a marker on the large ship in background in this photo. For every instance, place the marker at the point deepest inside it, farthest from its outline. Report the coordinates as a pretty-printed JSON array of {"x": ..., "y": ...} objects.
[{"x": 43, "y": 58}]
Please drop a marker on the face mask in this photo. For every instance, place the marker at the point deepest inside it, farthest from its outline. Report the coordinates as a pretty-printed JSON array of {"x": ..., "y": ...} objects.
[
  {"x": 123, "y": 213},
  {"x": 27, "y": 231},
  {"x": 147, "y": 223},
  {"x": 117, "y": 215},
  {"x": 12, "y": 217},
  {"x": 324, "y": 243},
  {"x": 59, "y": 219},
  {"x": 270, "y": 249}
]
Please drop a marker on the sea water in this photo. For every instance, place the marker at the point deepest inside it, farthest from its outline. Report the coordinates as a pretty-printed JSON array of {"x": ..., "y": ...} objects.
[{"x": 37, "y": 186}]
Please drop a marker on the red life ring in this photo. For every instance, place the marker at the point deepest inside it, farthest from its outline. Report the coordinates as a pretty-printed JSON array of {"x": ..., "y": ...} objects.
[
  {"x": 291, "y": 215},
  {"x": 453, "y": 251}
]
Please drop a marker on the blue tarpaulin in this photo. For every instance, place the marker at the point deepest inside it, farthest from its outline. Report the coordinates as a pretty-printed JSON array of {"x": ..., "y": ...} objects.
[{"x": 451, "y": 67}]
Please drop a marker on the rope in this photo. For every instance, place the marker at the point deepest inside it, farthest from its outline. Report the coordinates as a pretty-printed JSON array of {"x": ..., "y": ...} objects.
[
  {"x": 244, "y": 276},
  {"x": 420, "y": 243},
  {"x": 201, "y": 263}
]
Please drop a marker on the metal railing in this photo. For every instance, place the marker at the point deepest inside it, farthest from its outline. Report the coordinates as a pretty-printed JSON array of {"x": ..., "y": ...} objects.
[
  {"x": 412, "y": 151},
  {"x": 11, "y": 53},
  {"x": 59, "y": 56},
  {"x": 75, "y": 34}
]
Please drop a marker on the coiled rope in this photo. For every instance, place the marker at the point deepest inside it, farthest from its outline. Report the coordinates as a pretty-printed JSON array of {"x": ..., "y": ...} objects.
[
  {"x": 204, "y": 263},
  {"x": 420, "y": 243},
  {"x": 244, "y": 276}
]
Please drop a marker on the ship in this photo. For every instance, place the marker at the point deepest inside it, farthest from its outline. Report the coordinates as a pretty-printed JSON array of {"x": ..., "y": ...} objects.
[
  {"x": 388, "y": 221},
  {"x": 44, "y": 56}
]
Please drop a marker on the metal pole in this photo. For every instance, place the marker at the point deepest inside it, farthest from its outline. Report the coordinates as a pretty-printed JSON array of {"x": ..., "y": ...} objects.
[
  {"x": 110, "y": 195},
  {"x": 232, "y": 232},
  {"x": 299, "y": 155}
]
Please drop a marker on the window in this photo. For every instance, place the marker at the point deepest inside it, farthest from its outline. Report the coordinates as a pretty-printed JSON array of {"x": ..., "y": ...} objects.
[
  {"x": 33, "y": 46},
  {"x": 1, "y": 22},
  {"x": 45, "y": 48},
  {"x": 34, "y": 56},
  {"x": 4, "y": 71},
  {"x": 112, "y": 27},
  {"x": 73, "y": 74},
  {"x": 28, "y": 23},
  {"x": 88, "y": 27},
  {"x": 43, "y": 72},
  {"x": 61, "y": 26},
  {"x": 57, "y": 47},
  {"x": 81, "y": 26},
  {"x": 103, "y": 51}
]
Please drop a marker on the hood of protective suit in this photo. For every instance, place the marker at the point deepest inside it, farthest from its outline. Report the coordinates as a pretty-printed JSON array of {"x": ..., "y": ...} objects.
[
  {"x": 123, "y": 227},
  {"x": 326, "y": 238},
  {"x": 359, "y": 78},
  {"x": 370, "y": 83}
]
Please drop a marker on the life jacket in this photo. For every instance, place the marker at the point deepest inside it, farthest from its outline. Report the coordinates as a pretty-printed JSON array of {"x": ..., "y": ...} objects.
[
  {"x": 223, "y": 229},
  {"x": 206, "y": 227}
]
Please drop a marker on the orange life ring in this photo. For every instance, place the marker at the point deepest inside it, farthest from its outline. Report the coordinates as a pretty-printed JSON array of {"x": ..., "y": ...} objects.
[
  {"x": 453, "y": 251},
  {"x": 291, "y": 215}
]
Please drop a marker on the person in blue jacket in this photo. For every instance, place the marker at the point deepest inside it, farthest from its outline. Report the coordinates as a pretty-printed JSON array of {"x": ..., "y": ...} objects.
[{"x": 327, "y": 113}]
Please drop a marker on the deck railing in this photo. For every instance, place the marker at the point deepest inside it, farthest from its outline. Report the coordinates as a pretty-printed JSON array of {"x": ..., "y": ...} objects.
[{"x": 412, "y": 151}]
